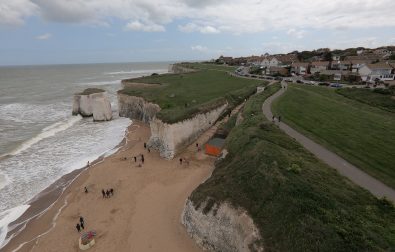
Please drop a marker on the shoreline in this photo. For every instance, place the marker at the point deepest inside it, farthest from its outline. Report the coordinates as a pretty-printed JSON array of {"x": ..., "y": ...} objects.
[
  {"x": 143, "y": 185},
  {"x": 46, "y": 199}
]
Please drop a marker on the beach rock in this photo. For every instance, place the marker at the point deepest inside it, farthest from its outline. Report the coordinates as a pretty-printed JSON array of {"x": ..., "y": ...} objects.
[
  {"x": 92, "y": 102},
  {"x": 223, "y": 228},
  {"x": 101, "y": 107},
  {"x": 170, "y": 139},
  {"x": 135, "y": 107}
]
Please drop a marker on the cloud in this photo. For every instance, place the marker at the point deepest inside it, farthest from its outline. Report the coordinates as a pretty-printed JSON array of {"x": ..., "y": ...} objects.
[
  {"x": 209, "y": 16},
  {"x": 191, "y": 27},
  {"x": 138, "y": 26},
  {"x": 44, "y": 36},
  {"x": 199, "y": 48},
  {"x": 13, "y": 12},
  {"x": 280, "y": 47},
  {"x": 295, "y": 33}
]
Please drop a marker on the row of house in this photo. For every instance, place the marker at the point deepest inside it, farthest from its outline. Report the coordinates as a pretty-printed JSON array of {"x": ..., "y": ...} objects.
[
  {"x": 383, "y": 71},
  {"x": 262, "y": 61}
]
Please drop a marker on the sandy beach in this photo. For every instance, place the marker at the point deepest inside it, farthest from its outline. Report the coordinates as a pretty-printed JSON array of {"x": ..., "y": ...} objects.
[{"x": 144, "y": 213}]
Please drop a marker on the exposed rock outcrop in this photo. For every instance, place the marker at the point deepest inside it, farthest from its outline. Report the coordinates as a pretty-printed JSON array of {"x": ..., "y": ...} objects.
[
  {"x": 135, "y": 107},
  {"x": 169, "y": 139},
  {"x": 223, "y": 228},
  {"x": 93, "y": 102}
]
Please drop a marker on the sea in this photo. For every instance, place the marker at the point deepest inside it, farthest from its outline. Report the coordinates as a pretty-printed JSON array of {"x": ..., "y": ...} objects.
[{"x": 40, "y": 141}]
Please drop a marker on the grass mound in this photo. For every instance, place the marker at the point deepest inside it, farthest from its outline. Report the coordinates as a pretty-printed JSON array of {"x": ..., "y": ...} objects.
[
  {"x": 181, "y": 96},
  {"x": 89, "y": 91},
  {"x": 297, "y": 202},
  {"x": 361, "y": 134}
]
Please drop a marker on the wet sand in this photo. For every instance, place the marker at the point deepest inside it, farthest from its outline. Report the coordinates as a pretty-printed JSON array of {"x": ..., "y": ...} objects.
[{"x": 144, "y": 213}]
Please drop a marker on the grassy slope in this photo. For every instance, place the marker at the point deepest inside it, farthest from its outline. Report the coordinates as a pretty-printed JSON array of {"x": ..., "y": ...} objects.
[
  {"x": 369, "y": 97},
  {"x": 202, "y": 66},
  {"x": 297, "y": 202},
  {"x": 203, "y": 89},
  {"x": 361, "y": 134}
]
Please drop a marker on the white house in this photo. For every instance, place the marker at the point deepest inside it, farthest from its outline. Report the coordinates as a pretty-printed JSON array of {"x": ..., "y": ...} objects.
[
  {"x": 357, "y": 64},
  {"x": 270, "y": 61},
  {"x": 335, "y": 57},
  {"x": 380, "y": 71}
]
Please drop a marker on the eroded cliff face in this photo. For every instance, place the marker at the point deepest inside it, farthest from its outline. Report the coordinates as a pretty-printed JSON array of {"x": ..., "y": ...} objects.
[
  {"x": 223, "y": 228},
  {"x": 96, "y": 104},
  {"x": 135, "y": 107},
  {"x": 169, "y": 139}
]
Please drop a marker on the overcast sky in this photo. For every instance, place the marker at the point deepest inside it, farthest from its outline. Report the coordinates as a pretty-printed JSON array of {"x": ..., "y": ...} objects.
[{"x": 89, "y": 31}]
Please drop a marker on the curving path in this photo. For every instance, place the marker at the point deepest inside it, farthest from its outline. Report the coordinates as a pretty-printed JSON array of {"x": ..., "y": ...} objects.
[{"x": 346, "y": 169}]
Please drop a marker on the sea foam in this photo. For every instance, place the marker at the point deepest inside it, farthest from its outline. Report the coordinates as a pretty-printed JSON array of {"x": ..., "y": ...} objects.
[
  {"x": 45, "y": 133},
  {"x": 6, "y": 218}
]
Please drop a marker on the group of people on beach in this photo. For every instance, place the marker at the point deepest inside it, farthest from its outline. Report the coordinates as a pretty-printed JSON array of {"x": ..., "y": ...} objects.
[
  {"x": 81, "y": 225},
  {"x": 107, "y": 193}
]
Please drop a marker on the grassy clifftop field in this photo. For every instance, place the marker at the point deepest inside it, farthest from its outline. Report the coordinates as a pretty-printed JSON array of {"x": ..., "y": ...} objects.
[
  {"x": 362, "y": 134},
  {"x": 297, "y": 202},
  {"x": 180, "y": 96}
]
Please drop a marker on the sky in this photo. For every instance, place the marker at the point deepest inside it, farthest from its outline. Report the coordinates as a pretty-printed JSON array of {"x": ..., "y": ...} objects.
[{"x": 94, "y": 31}]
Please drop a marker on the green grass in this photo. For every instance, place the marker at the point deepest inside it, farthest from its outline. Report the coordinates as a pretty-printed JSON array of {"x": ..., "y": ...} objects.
[
  {"x": 205, "y": 66},
  {"x": 297, "y": 202},
  {"x": 383, "y": 101},
  {"x": 181, "y": 96},
  {"x": 362, "y": 134},
  {"x": 89, "y": 91}
]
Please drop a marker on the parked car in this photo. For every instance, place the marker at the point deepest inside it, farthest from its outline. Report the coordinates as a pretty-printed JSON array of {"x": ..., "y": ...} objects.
[
  {"x": 323, "y": 84},
  {"x": 335, "y": 85}
]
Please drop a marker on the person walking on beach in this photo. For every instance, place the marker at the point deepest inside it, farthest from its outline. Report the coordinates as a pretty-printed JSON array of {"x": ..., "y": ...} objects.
[
  {"x": 135, "y": 159},
  {"x": 82, "y": 222},
  {"x": 107, "y": 194},
  {"x": 103, "y": 192},
  {"x": 145, "y": 146},
  {"x": 86, "y": 189},
  {"x": 88, "y": 164},
  {"x": 78, "y": 227},
  {"x": 112, "y": 192},
  {"x": 180, "y": 161},
  {"x": 142, "y": 158}
]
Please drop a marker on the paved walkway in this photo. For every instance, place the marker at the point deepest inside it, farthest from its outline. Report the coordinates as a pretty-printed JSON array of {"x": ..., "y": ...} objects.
[{"x": 342, "y": 166}]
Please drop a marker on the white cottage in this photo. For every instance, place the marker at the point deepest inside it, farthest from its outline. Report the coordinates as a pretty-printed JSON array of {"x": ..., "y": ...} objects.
[{"x": 379, "y": 71}]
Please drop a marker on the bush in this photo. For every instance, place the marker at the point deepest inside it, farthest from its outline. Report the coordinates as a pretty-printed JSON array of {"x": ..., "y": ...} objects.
[{"x": 383, "y": 91}]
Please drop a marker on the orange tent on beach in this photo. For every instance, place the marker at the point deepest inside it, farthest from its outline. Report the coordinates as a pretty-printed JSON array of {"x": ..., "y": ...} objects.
[{"x": 214, "y": 146}]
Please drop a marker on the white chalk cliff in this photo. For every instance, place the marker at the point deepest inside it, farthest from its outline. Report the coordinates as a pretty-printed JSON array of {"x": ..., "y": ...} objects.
[
  {"x": 94, "y": 104},
  {"x": 223, "y": 228}
]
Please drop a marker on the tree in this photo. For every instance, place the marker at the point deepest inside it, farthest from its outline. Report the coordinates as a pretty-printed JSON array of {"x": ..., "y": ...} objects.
[{"x": 327, "y": 56}]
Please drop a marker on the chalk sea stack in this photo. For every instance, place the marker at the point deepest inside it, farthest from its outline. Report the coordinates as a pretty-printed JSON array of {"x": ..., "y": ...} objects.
[{"x": 93, "y": 102}]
